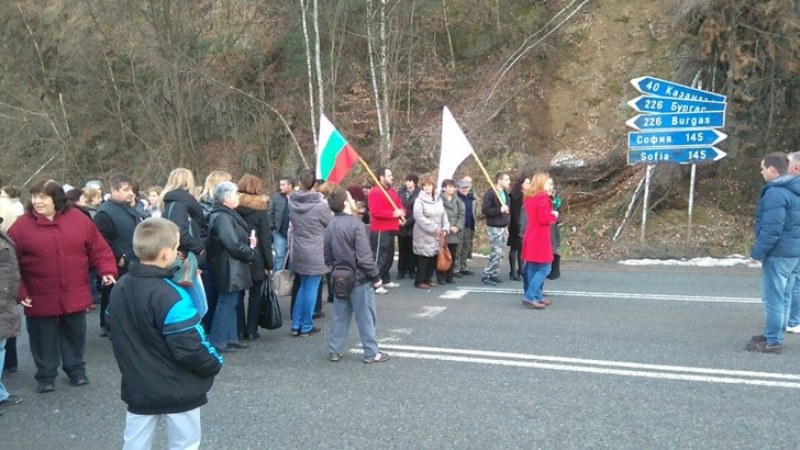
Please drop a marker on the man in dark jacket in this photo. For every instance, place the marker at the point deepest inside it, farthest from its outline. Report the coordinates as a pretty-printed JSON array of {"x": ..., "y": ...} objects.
[
  {"x": 279, "y": 220},
  {"x": 495, "y": 209},
  {"x": 348, "y": 253},
  {"x": 406, "y": 260},
  {"x": 466, "y": 235},
  {"x": 777, "y": 246},
  {"x": 116, "y": 219},
  {"x": 167, "y": 364}
]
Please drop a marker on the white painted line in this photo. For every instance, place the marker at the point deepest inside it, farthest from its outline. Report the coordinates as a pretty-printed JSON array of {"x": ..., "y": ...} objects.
[
  {"x": 620, "y": 295},
  {"x": 454, "y": 295},
  {"x": 430, "y": 311},
  {"x": 598, "y": 370},
  {"x": 594, "y": 362}
]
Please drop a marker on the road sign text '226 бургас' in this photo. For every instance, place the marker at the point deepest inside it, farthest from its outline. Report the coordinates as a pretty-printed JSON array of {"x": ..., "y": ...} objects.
[{"x": 677, "y": 125}]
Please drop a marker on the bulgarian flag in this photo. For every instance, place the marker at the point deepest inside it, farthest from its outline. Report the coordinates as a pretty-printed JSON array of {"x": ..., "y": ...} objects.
[{"x": 335, "y": 156}]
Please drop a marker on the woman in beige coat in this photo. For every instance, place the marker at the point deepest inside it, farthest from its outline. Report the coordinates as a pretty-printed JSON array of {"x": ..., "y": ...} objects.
[{"x": 430, "y": 224}]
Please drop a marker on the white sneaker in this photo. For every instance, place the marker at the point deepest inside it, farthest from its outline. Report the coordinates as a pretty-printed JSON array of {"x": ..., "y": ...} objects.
[
  {"x": 392, "y": 285},
  {"x": 794, "y": 330},
  {"x": 381, "y": 291}
]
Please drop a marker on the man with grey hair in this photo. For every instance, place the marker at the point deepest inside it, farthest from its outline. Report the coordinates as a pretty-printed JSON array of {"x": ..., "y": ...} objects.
[{"x": 793, "y": 319}]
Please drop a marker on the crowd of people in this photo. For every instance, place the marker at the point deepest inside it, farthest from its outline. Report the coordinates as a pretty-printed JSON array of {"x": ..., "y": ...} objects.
[{"x": 183, "y": 268}]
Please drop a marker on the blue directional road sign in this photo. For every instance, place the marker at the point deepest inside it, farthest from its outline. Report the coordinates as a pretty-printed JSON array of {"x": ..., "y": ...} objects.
[
  {"x": 681, "y": 121},
  {"x": 688, "y": 155},
  {"x": 648, "y": 103},
  {"x": 677, "y": 138},
  {"x": 663, "y": 88}
]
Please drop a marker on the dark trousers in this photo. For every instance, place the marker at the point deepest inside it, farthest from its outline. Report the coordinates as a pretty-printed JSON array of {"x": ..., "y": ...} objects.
[
  {"x": 248, "y": 324},
  {"x": 105, "y": 295},
  {"x": 426, "y": 265},
  {"x": 296, "y": 289},
  {"x": 212, "y": 294},
  {"x": 406, "y": 259},
  {"x": 382, "y": 244},
  {"x": 11, "y": 354},
  {"x": 447, "y": 275},
  {"x": 58, "y": 339}
]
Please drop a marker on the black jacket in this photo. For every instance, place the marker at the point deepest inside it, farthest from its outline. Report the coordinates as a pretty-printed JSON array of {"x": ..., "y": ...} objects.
[
  {"x": 116, "y": 222},
  {"x": 514, "y": 225},
  {"x": 491, "y": 209},
  {"x": 253, "y": 209},
  {"x": 166, "y": 362},
  {"x": 347, "y": 245},
  {"x": 408, "y": 198},
  {"x": 9, "y": 288},
  {"x": 278, "y": 209},
  {"x": 229, "y": 250},
  {"x": 185, "y": 211}
]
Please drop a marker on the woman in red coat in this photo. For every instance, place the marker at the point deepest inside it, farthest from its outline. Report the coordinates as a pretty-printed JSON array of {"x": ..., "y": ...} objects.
[
  {"x": 537, "y": 251},
  {"x": 56, "y": 246}
]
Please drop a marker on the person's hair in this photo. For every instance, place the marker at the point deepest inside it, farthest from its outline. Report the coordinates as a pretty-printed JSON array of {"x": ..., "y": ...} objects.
[
  {"x": 152, "y": 236},
  {"x": 413, "y": 177},
  {"x": 11, "y": 191},
  {"x": 778, "y": 160},
  {"x": 366, "y": 184},
  {"x": 156, "y": 189},
  {"x": 250, "y": 184},
  {"x": 517, "y": 187},
  {"x": 224, "y": 190},
  {"x": 357, "y": 193},
  {"x": 326, "y": 188},
  {"x": 537, "y": 183},
  {"x": 794, "y": 159},
  {"x": 94, "y": 184},
  {"x": 337, "y": 199},
  {"x": 427, "y": 180},
  {"x": 90, "y": 193},
  {"x": 307, "y": 179},
  {"x": 381, "y": 171},
  {"x": 448, "y": 182},
  {"x": 212, "y": 180},
  {"x": 52, "y": 189},
  {"x": 288, "y": 180},
  {"x": 74, "y": 196},
  {"x": 116, "y": 181},
  {"x": 499, "y": 176},
  {"x": 179, "y": 178}
]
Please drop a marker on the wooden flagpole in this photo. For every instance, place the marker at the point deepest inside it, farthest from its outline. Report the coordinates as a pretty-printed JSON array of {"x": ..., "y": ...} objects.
[
  {"x": 493, "y": 184},
  {"x": 380, "y": 186}
]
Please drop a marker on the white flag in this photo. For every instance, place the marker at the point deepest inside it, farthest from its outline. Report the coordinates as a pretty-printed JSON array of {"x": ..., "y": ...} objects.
[{"x": 455, "y": 148}]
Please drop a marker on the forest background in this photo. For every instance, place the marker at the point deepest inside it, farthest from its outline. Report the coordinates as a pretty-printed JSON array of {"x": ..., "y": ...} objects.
[{"x": 93, "y": 87}]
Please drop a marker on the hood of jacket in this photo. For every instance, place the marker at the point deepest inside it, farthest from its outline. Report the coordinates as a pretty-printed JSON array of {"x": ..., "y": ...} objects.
[
  {"x": 184, "y": 197},
  {"x": 790, "y": 182},
  {"x": 302, "y": 202},
  {"x": 249, "y": 203}
]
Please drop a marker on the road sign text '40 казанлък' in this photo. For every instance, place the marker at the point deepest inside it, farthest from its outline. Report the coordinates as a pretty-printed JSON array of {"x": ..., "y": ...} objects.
[{"x": 677, "y": 123}]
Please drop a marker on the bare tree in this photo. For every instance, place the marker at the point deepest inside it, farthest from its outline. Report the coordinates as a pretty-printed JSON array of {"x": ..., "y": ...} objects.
[{"x": 307, "y": 45}]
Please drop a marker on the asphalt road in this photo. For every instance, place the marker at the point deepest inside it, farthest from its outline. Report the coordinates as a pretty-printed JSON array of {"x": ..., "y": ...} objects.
[{"x": 625, "y": 357}]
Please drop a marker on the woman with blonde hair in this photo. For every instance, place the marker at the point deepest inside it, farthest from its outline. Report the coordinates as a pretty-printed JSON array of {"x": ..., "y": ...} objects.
[
  {"x": 180, "y": 207},
  {"x": 207, "y": 194},
  {"x": 537, "y": 251},
  {"x": 207, "y": 205}
]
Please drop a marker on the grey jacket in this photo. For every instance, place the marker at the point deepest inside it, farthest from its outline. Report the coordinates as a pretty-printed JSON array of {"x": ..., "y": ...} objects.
[
  {"x": 347, "y": 245},
  {"x": 309, "y": 214},
  {"x": 9, "y": 287},
  {"x": 430, "y": 219},
  {"x": 456, "y": 214}
]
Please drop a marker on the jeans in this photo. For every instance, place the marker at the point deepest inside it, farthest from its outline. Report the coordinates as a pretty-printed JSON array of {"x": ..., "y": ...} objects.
[
  {"x": 3, "y": 391},
  {"x": 223, "y": 329},
  {"x": 280, "y": 245},
  {"x": 361, "y": 304},
  {"x": 304, "y": 306},
  {"x": 535, "y": 274},
  {"x": 776, "y": 294},
  {"x": 793, "y": 318}
]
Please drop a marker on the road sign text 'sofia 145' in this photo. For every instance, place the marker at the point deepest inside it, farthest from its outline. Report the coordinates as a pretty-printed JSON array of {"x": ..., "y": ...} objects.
[{"x": 677, "y": 123}]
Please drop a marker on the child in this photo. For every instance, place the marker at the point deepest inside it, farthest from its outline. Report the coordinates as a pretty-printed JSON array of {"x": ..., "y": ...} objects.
[{"x": 167, "y": 364}]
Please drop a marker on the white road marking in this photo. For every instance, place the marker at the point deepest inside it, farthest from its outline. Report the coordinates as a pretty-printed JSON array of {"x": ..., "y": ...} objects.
[
  {"x": 613, "y": 295},
  {"x": 430, "y": 311},
  {"x": 621, "y": 368},
  {"x": 454, "y": 295}
]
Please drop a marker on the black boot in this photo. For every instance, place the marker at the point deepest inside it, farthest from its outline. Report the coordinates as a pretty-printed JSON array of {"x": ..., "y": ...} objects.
[{"x": 512, "y": 261}]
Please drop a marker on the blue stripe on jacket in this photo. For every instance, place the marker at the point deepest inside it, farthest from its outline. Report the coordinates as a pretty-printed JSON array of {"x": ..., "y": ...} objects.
[{"x": 183, "y": 317}]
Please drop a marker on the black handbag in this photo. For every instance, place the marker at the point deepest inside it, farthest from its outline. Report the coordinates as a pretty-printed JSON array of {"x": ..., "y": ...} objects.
[
  {"x": 555, "y": 268},
  {"x": 269, "y": 317},
  {"x": 343, "y": 280}
]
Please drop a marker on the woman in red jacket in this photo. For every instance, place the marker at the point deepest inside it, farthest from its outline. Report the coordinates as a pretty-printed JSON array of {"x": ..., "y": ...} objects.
[
  {"x": 56, "y": 246},
  {"x": 537, "y": 251}
]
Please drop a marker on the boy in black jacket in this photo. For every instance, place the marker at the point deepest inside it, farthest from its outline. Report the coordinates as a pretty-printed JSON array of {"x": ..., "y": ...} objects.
[{"x": 167, "y": 364}]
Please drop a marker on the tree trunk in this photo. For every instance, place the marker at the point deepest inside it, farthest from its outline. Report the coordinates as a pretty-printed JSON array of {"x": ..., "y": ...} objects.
[
  {"x": 307, "y": 45},
  {"x": 317, "y": 59}
]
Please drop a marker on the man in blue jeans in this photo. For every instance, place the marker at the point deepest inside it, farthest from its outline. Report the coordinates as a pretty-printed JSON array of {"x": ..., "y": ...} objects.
[{"x": 777, "y": 246}]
